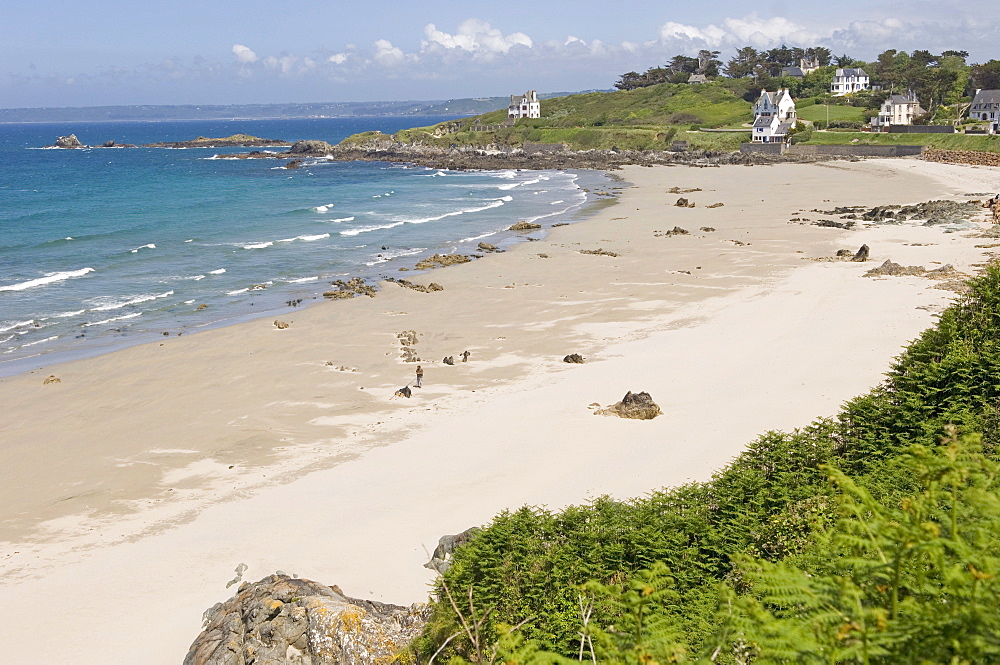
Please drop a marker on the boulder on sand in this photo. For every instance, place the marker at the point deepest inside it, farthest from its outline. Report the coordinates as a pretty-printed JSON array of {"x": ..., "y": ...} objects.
[
  {"x": 638, "y": 406},
  {"x": 281, "y": 620}
]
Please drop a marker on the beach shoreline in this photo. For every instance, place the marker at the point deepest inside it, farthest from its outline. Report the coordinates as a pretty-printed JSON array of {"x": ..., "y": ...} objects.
[{"x": 151, "y": 472}]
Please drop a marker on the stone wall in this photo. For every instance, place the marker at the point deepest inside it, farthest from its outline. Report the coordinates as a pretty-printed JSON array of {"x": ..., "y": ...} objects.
[
  {"x": 856, "y": 150},
  {"x": 921, "y": 129},
  {"x": 536, "y": 148},
  {"x": 974, "y": 157},
  {"x": 763, "y": 148}
]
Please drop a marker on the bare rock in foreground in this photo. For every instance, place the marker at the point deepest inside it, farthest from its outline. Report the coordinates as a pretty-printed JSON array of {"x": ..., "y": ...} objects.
[
  {"x": 280, "y": 620},
  {"x": 638, "y": 406}
]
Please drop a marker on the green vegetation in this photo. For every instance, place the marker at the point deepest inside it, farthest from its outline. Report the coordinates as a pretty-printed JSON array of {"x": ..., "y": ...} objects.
[
  {"x": 869, "y": 537},
  {"x": 837, "y": 113},
  {"x": 949, "y": 141},
  {"x": 644, "y": 118}
]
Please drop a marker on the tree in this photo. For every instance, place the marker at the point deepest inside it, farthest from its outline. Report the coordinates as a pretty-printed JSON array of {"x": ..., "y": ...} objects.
[
  {"x": 987, "y": 75},
  {"x": 708, "y": 62},
  {"x": 844, "y": 60},
  {"x": 744, "y": 63}
]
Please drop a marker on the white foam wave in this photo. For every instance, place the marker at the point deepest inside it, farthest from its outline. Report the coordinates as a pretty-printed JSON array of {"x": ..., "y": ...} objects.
[
  {"x": 342, "y": 219},
  {"x": 7, "y": 339},
  {"x": 302, "y": 280},
  {"x": 509, "y": 186},
  {"x": 495, "y": 203},
  {"x": 149, "y": 246},
  {"x": 111, "y": 320},
  {"x": 66, "y": 315},
  {"x": 40, "y": 341},
  {"x": 323, "y": 208},
  {"x": 553, "y": 203},
  {"x": 237, "y": 291},
  {"x": 258, "y": 245},
  {"x": 217, "y": 272},
  {"x": 306, "y": 238},
  {"x": 479, "y": 237},
  {"x": 18, "y": 324},
  {"x": 106, "y": 304},
  {"x": 389, "y": 256},
  {"x": 195, "y": 278},
  {"x": 366, "y": 229},
  {"x": 48, "y": 279}
]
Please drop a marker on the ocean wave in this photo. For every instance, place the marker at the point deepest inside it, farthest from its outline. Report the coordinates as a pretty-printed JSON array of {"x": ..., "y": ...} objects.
[
  {"x": 49, "y": 278},
  {"x": 40, "y": 341},
  {"x": 149, "y": 246},
  {"x": 258, "y": 245},
  {"x": 111, "y": 320},
  {"x": 553, "y": 203},
  {"x": 105, "y": 304},
  {"x": 194, "y": 278},
  {"x": 439, "y": 174},
  {"x": 323, "y": 208},
  {"x": 341, "y": 219},
  {"x": 389, "y": 256},
  {"x": 495, "y": 203},
  {"x": 302, "y": 280},
  {"x": 217, "y": 272},
  {"x": 306, "y": 238},
  {"x": 7, "y": 339},
  {"x": 66, "y": 315},
  {"x": 366, "y": 229},
  {"x": 16, "y": 324},
  {"x": 237, "y": 291}
]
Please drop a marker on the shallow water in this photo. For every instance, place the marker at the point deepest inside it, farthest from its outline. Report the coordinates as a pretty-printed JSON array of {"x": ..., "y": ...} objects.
[{"x": 106, "y": 247}]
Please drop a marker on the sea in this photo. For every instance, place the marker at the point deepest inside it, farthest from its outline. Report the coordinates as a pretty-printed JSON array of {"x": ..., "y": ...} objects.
[{"x": 102, "y": 248}]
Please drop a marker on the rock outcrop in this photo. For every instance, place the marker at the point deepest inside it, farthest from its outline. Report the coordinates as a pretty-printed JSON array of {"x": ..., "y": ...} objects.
[
  {"x": 574, "y": 358},
  {"x": 441, "y": 260},
  {"x": 234, "y": 141},
  {"x": 524, "y": 226},
  {"x": 638, "y": 406},
  {"x": 862, "y": 254},
  {"x": 281, "y": 620},
  {"x": 68, "y": 142},
  {"x": 315, "y": 148}
]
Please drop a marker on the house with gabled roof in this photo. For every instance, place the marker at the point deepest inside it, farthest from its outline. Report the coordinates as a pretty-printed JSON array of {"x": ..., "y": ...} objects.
[
  {"x": 849, "y": 79},
  {"x": 897, "y": 110},
  {"x": 806, "y": 66},
  {"x": 524, "y": 106},
  {"x": 985, "y": 107},
  {"x": 774, "y": 116}
]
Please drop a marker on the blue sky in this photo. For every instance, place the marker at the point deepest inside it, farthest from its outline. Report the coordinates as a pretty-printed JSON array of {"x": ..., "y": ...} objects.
[{"x": 73, "y": 53}]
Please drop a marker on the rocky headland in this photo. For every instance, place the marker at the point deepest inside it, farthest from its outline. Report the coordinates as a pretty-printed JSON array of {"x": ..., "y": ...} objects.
[{"x": 234, "y": 141}]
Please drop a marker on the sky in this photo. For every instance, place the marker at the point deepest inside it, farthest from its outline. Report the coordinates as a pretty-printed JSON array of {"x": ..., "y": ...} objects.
[{"x": 58, "y": 53}]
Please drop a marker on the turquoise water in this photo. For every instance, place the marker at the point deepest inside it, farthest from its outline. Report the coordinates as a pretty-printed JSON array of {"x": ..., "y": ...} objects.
[{"x": 104, "y": 247}]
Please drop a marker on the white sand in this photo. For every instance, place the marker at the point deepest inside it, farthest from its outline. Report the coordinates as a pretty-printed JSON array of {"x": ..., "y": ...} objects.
[{"x": 123, "y": 520}]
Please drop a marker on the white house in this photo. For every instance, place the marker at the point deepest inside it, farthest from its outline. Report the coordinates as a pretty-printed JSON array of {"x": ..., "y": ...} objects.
[
  {"x": 986, "y": 108},
  {"x": 774, "y": 115},
  {"x": 897, "y": 110},
  {"x": 778, "y": 103},
  {"x": 847, "y": 80},
  {"x": 524, "y": 106}
]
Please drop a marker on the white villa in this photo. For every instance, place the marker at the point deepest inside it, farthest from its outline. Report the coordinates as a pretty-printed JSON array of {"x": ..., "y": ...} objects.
[
  {"x": 849, "y": 80},
  {"x": 773, "y": 116},
  {"x": 897, "y": 110},
  {"x": 986, "y": 108},
  {"x": 524, "y": 106}
]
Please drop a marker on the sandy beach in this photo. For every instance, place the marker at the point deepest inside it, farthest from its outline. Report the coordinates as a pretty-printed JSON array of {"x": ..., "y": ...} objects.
[{"x": 135, "y": 484}]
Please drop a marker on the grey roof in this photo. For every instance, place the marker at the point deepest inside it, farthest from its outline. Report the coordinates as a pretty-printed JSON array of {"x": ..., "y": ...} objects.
[
  {"x": 784, "y": 127},
  {"x": 763, "y": 121},
  {"x": 987, "y": 97},
  {"x": 852, "y": 71},
  {"x": 792, "y": 71}
]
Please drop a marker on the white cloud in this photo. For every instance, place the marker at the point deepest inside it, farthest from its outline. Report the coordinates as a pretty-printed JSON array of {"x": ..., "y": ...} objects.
[
  {"x": 285, "y": 63},
  {"x": 244, "y": 54},
  {"x": 388, "y": 55},
  {"x": 338, "y": 58},
  {"x": 750, "y": 30},
  {"x": 475, "y": 36}
]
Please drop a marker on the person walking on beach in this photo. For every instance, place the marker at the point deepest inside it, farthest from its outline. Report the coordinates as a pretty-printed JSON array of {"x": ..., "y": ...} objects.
[{"x": 420, "y": 377}]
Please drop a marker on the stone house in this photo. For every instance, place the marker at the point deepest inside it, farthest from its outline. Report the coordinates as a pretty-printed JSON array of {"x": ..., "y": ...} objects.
[
  {"x": 524, "y": 106},
  {"x": 806, "y": 66},
  {"x": 697, "y": 78},
  {"x": 848, "y": 80},
  {"x": 985, "y": 107},
  {"x": 774, "y": 116},
  {"x": 897, "y": 110}
]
